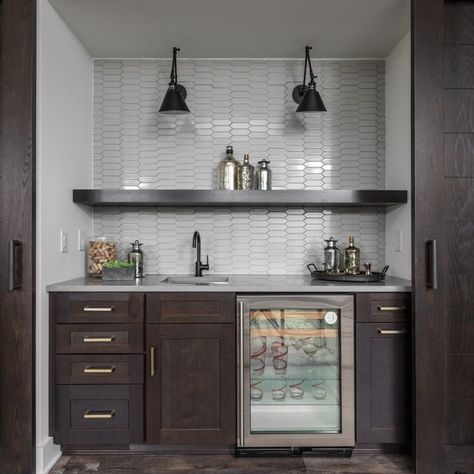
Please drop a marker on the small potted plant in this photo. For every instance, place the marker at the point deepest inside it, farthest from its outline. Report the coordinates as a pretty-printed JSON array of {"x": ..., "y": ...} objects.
[{"x": 117, "y": 270}]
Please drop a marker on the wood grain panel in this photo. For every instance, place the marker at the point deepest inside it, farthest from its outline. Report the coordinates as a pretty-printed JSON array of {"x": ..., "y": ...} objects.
[
  {"x": 459, "y": 274},
  {"x": 461, "y": 332},
  {"x": 459, "y": 195},
  {"x": 459, "y": 22},
  {"x": 460, "y": 369},
  {"x": 190, "y": 308},
  {"x": 460, "y": 422},
  {"x": 17, "y": 216},
  {"x": 459, "y": 155},
  {"x": 459, "y": 67},
  {"x": 459, "y": 111}
]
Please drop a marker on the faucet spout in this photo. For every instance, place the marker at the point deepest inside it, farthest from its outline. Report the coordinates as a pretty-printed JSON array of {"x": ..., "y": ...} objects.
[{"x": 199, "y": 266}]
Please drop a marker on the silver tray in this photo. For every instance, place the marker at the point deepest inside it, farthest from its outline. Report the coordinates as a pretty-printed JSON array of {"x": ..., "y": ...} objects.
[{"x": 374, "y": 277}]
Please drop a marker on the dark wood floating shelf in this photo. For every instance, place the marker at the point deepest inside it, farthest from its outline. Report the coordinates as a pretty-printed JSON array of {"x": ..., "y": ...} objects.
[{"x": 210, "y": 198}]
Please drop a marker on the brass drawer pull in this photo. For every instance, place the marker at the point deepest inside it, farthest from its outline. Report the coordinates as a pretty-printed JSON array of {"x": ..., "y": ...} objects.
[
  {"x": 89, "y": 339},
  {"x": 104, "y": 309},
  {"x": 391, "y": 332},
  {"x": 391, "y": 308},
  {"x": 98, "y": 415},
  {"x": 99, "y": 370},
  {"x": 152, "y": 361}
]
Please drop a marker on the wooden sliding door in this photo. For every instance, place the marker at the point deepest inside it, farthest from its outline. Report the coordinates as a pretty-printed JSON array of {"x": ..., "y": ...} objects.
[
  {"x": 17, "y": 160},
  {"x": 443, "y": 235}
]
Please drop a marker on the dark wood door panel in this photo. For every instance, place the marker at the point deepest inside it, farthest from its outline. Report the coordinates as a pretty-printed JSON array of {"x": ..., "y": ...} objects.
[
  {"x": 459, "y": 111},
  {"x": 99, "y": 338},
  {"x": 459, "y": 67},
  {"x": 461, "y": 331},
  {"x": 190, "y": 308},
  {"x": 459, "y": 193},
  {"x": 99, "y": 369},
  {"x": 17, "y": 223},
  {"x": 382, "y": 382},
  {"x": 459, "y": 155},
  {"x": 98, "y": 307},
  {"x": 458, "y": 279},
  {"x": 459, "y": 22},
  {"x": 191, "y": 397}
]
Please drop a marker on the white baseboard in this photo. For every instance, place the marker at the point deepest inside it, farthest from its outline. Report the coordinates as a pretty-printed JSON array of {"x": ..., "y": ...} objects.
[{"x": 47, "y": 454}]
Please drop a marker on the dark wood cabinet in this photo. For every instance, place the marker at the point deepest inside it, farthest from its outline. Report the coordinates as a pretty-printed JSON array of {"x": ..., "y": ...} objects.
[
  {"x": 383, "y": 380},
  {"x": 191, "y": 374},
  {"x": 191, "y": 384}
]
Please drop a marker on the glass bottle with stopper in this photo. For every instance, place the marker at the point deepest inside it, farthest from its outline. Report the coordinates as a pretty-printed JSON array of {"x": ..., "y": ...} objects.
[
  {"x": 352, "y": 258},
  {"x": 332, "y": 257},
  {"x": 246, "y": 174},
  {"x": 135, "y": 256},
  {"x": 228, "y": 171}
]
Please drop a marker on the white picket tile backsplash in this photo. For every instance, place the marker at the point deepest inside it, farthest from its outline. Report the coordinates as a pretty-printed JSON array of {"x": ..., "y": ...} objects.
[{"x": 247, "y": 104}]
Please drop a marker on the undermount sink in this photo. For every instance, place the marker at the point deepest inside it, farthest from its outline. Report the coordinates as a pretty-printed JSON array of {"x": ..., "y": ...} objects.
[{"x": 191, "y": 280}]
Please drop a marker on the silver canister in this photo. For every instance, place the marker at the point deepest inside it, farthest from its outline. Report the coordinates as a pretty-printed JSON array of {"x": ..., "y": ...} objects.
[
  {"x": 135, "y": 256},
  {"x": 263, "y": 176},
  {"x": 332, "y": 257},
  {"x": 246, "y": 174},
  {"x": 228, "y": 171}
]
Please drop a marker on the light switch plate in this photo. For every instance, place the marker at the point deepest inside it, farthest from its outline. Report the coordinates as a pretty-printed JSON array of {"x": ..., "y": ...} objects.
[
  {"x": 63, "y": 241},
  {"x": 398, "y": 241},
  {"x": 81, "y": 240}
]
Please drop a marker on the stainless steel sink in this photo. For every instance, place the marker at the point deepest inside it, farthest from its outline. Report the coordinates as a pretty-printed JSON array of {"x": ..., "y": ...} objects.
[{"x": 191, "y": 280}]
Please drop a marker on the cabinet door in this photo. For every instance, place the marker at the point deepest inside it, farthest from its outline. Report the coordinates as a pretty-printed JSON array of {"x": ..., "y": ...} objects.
[
  {"x": 383, "y": 382},
  {"x": 190, "y": 384}
]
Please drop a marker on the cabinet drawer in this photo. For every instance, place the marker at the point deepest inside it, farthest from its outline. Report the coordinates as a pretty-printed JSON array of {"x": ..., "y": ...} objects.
[
  {"x": 99, "y": 414},
  {"x": 98, "y": 307},
  {"x": 99, "y": 369},
  {"x": 190, "y": 308},
  {"x": 383, "y": 307},
  {"x": 99, "y": 338}
]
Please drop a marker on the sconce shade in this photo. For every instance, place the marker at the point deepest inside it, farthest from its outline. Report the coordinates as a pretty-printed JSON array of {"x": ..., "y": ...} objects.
[
  {"x": 173, "y": 102},
  {"x": 311, "y": 101}
]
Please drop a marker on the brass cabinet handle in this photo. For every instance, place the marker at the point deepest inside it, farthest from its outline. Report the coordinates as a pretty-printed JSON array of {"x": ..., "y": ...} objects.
[
  {"x": 391, "y": 332},
  {"x": 98, "y": 415},
  {"x": 103, "y": 309},
  {"x": 100, "y": 370},
  {"x": 90, "y": 339},
  {"x": 391, "y": 308},
  {"x": 152, "y": 361}
]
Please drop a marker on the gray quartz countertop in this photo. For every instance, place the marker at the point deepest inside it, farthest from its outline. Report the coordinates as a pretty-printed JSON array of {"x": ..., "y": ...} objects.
[{"x": 237, "y": 284}]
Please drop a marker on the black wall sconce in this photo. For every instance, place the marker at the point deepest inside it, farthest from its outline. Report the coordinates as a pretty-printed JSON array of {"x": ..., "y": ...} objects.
[
  {"x": 174, "y": 101},
  {"x": 307, "y": 95}
]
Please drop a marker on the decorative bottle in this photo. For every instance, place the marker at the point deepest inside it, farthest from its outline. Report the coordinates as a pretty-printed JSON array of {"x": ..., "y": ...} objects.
[
  {"x": 352, "y": 258},
  {"x": 263, "y": 178},
  {"x": 135, "y": 256},
  {"x": 228, "y": 171},
  {"x": 246, "y": 174},
  {"x": 332, "y": 257}
]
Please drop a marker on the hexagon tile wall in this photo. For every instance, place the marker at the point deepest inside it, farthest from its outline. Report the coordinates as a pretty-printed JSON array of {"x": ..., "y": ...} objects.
[{"x": 246, "y": 103}]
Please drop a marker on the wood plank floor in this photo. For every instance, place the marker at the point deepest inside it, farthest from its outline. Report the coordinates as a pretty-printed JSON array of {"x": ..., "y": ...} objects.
[{"x": 152, "y": 464}]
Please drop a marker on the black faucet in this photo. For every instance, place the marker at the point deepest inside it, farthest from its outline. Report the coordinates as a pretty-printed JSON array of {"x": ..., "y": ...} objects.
[{"x": 199, "y": 265}]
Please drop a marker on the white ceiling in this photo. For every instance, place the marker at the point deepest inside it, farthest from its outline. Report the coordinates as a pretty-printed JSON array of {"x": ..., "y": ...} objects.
[{"x": 237, "y": 28}]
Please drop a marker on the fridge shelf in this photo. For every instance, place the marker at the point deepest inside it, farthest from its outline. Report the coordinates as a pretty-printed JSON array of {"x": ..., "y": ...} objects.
[{"x": 286, "y": 332}]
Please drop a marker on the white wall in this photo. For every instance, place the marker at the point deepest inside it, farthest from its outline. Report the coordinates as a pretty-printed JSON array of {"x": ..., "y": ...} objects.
[
  {"x": 64, "y": 162},
  {"x": 398, "y": 154}
]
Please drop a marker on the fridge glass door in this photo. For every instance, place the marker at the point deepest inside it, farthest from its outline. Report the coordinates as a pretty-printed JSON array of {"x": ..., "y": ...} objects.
[{"x": 295, "y": 367}]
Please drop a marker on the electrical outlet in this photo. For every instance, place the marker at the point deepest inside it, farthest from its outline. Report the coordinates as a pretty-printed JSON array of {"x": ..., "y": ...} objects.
[
  {"x": 81, "y": 240},
  {"x": 64, "y": 241},
  {"x": 398, "y": 241}
]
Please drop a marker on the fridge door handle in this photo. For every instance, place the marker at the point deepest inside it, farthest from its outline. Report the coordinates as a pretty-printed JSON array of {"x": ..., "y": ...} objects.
[{"x": 240, "y": 373}]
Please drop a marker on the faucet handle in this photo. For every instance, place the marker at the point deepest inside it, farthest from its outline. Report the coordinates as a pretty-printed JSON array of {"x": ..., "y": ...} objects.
[{"x": 206, "y": 266}]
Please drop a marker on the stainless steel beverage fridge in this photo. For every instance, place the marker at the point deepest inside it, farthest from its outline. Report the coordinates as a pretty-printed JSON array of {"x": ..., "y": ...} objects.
[{"x": 295, "y": 372}]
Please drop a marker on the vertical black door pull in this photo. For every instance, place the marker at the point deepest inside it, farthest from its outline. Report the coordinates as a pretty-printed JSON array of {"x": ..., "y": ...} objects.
[
  {"x": 432, "y": 265},
  {"x": 14, "y": 265}
]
